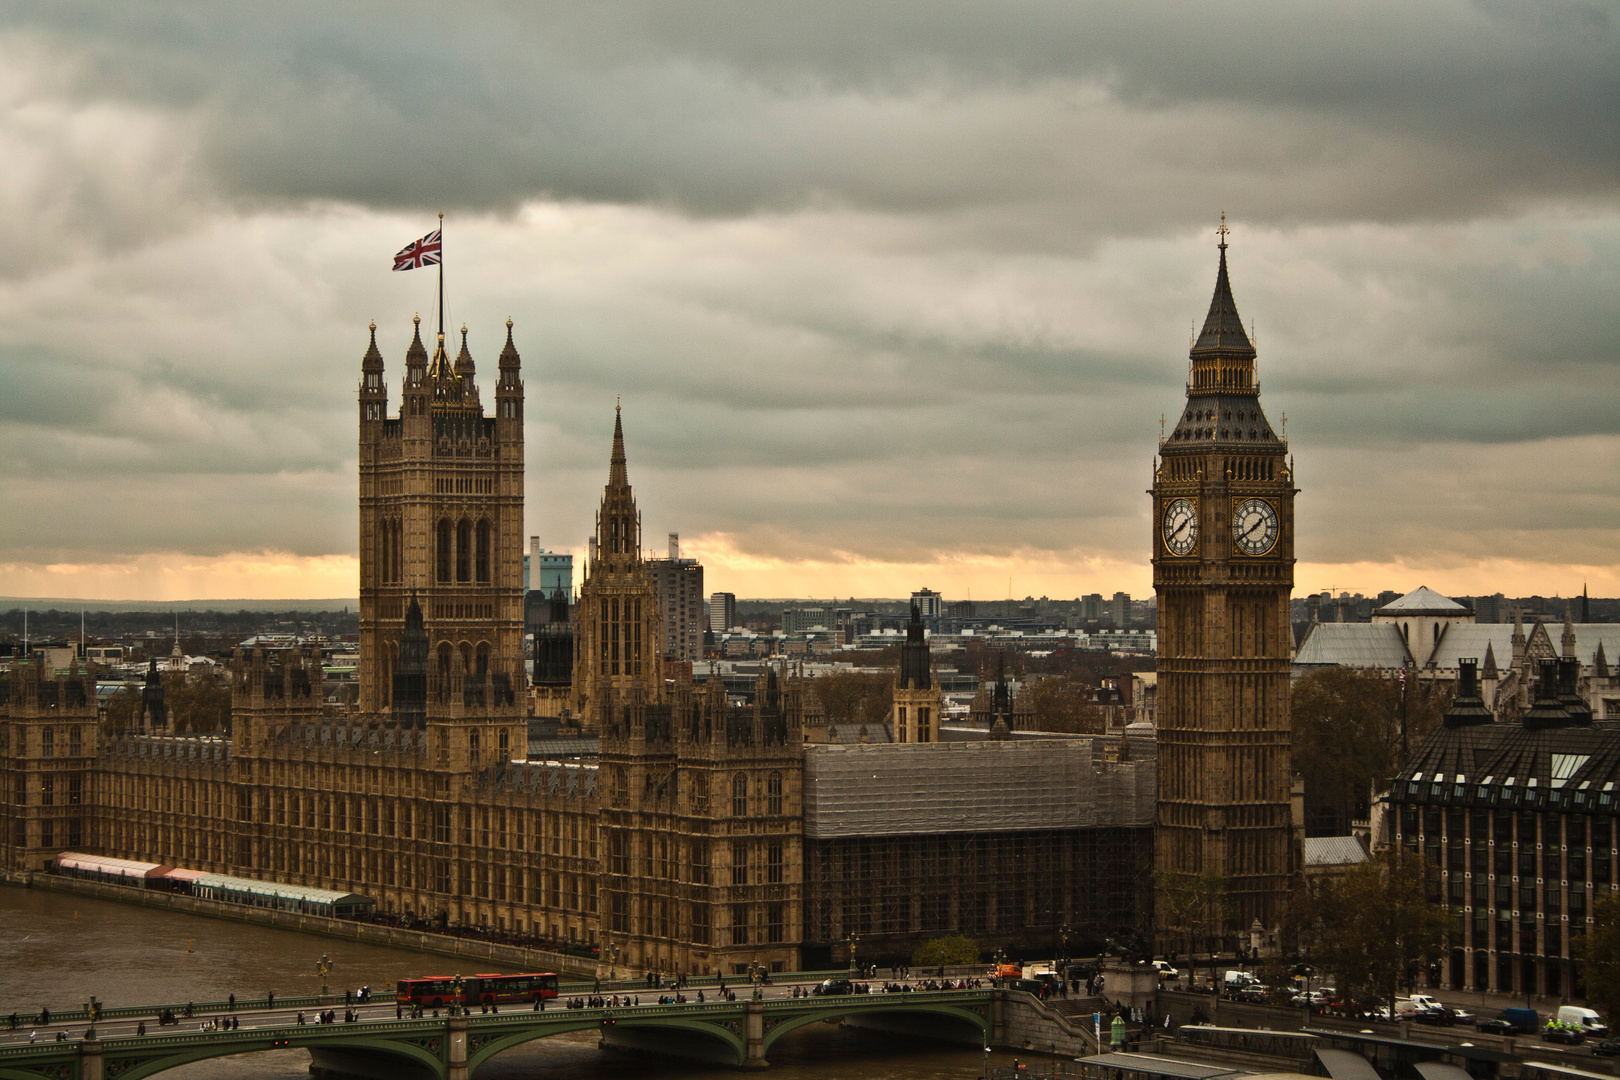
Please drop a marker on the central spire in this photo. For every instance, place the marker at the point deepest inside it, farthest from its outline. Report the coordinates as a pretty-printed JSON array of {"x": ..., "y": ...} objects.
[
  {"x": 618, "y": 472},
  {"x": 1223, "y": 327}
]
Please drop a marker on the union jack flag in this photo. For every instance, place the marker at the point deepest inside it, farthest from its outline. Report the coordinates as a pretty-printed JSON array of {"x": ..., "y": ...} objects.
[{"x": 419, "y": 253}]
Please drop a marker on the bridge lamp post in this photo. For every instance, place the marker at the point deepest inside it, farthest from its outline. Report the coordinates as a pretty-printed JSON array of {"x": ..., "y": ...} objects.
[
  {"x": 1064, "y": 933},
  {"x": 854, "y": 942},
  {"x": 457, "y": 988},
  {"x": 613, "y": 960},
  {"x": 94, "y": 1009},
  {"x": 323, "y": 968}
]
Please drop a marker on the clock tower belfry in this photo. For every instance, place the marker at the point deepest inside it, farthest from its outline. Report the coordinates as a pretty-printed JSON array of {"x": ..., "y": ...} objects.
[{"x": 1223, "y": 570}]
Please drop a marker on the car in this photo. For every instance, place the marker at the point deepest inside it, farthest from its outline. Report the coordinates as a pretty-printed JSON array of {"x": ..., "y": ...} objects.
[
  {"x": 1460, "y": 1016},
  {"x": 1566, "y": 1034},
  {"x": 1496, "y": 1026},
  {"x": 1435, "y": 1017},
  {"x": 1609, "y": 1047},
  {"x": 831, "y": 987}
]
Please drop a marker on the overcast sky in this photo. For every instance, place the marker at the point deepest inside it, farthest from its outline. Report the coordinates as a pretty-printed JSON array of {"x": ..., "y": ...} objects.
[{"x": 894, "y": 294}]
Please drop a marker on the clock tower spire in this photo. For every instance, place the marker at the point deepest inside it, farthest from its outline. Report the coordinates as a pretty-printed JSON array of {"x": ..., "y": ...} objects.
[{"x": 1223, "y": 570}]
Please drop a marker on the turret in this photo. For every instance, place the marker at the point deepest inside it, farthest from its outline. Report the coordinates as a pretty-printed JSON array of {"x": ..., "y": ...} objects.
[
  {"x": 465, "y": 372},
  {"x": 915, "y": 670},
  {"x": 509, "y": 393},
  {"x": 416, "y": 363},
  {"x": 373, "y": 390}
]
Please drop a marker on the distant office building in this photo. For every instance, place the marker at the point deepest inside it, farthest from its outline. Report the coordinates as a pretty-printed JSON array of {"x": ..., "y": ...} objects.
[
  {"x": 1091, "y": 607},
  {"x": 927, "y": 603},
  {"x": 800, "y": 620},
  {"x": 680, "y": 599},
  {"x": 722, "y": 611},
  {"x": 1119, "y": 610},
  {"x": 556, "y": 572},
  {"x": 1494, "y": 609}
]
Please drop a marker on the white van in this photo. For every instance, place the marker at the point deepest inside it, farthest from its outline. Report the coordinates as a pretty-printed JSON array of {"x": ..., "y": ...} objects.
[
  {"x": 1236, "y": 979},
  {"x": 1407, "y": 1008},
  {"x": 1590, "y": 1023}
]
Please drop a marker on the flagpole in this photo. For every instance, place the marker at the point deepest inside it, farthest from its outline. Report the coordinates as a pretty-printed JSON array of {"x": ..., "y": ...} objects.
[{"x": 441, "y": 275}]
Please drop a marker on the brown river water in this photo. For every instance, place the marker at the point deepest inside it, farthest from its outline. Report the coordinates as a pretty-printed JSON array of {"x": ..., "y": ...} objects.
[{"x": 57, "y": 950}]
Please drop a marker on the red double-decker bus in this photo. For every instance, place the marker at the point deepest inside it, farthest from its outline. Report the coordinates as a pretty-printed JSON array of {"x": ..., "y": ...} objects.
[{"x": 440, "y": 990}]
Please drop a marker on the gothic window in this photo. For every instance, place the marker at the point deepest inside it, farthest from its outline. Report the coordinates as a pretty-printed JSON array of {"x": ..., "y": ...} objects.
[
  {"x": 739, "y": 862},
  {"x": 773, "y": 794},
  {"x": 444, "y": 551},
  {"x": 773, "y": 863},
  {"x": 483, "y": 660},
  {"x": 483, "y": 551},
  {"x": 924, "y": 726},
  {"x": 444, "y": 663},
  {"x": 464, "y": 550},
  {"x": 739, "y": 796}
]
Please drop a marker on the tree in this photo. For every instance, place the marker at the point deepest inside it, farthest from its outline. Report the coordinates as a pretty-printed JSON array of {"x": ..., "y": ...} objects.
[
  {"x": 1347, "y": 736},
  {"x": 851, "y": 697},
  {"x": 1600, "y": 951},
  {"x": 1194, "y": 908},
  {"x": 123, "y": 708},
  {"x": 952, "y": 949},
  {"x": 1379, "y": 924},
  {"x": 199, "y": 703},
  {"x": 1065, "y": 704}
]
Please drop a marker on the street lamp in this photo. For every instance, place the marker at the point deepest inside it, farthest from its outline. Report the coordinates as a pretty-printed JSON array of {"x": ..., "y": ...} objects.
[
  {"x": 1064, "y": 933},
  {"x": 853, "y": 940},
  {"x": 323, "y": 968},
  {"x": 457, "y": 988},
  {"x": 94, "y": 1009},
  {"x": 613, "y": 960}
]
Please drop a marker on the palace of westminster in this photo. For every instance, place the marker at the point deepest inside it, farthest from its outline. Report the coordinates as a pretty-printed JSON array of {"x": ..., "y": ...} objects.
[{"x": 701, "y": 835}]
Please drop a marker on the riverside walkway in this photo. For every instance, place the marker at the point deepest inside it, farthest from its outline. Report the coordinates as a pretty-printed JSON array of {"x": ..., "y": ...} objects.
[{"x": 738, "y": 1033}]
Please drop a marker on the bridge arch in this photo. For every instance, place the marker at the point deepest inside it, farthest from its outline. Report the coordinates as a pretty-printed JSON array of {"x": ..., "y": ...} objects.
[
  {"x": 121, "y": 1061},
  {"x": 978, "y": 1020},
  {"x": 480, "y": 1050}
]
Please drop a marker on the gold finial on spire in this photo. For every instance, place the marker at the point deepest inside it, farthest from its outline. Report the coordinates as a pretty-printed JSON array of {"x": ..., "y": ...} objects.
[
  {"x": 373, "y": 326},
  {"x": 417, "y": 318},
  {"x": 1285, "y": 425},
  {"x": 509, "y": 322},
  {"x": 1161, "y": 427},
  {"x": 1222, "y": 231}
]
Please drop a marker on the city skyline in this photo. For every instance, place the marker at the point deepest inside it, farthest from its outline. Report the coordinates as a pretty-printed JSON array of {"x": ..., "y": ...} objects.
[{"x": 883, "y": 316}]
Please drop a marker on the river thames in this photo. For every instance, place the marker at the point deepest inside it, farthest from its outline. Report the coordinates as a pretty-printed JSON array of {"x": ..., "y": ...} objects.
[{"x": 57, "y": 950}]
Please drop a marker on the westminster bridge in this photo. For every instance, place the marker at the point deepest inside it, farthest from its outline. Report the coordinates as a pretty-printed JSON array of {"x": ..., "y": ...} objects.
[{"x": 738, "y": 1033}]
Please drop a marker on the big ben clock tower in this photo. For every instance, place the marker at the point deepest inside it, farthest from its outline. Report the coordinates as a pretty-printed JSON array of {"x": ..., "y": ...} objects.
[{"x": 1223, "y": 569}]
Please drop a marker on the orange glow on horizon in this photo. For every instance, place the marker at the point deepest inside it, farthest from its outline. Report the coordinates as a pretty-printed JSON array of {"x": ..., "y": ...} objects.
[{"x": 269, "y": 575}]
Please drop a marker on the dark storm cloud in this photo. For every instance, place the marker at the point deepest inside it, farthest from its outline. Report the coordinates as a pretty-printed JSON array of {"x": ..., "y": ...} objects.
[
  {"x": 881, "y": 279},
  {"x": 1300, "y": 111}
]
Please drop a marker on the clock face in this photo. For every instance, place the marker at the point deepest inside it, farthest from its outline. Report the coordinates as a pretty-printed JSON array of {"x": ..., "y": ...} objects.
[
  {"x": 1254, "y": 527},
  {"x": 1180, "y": 527}
]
